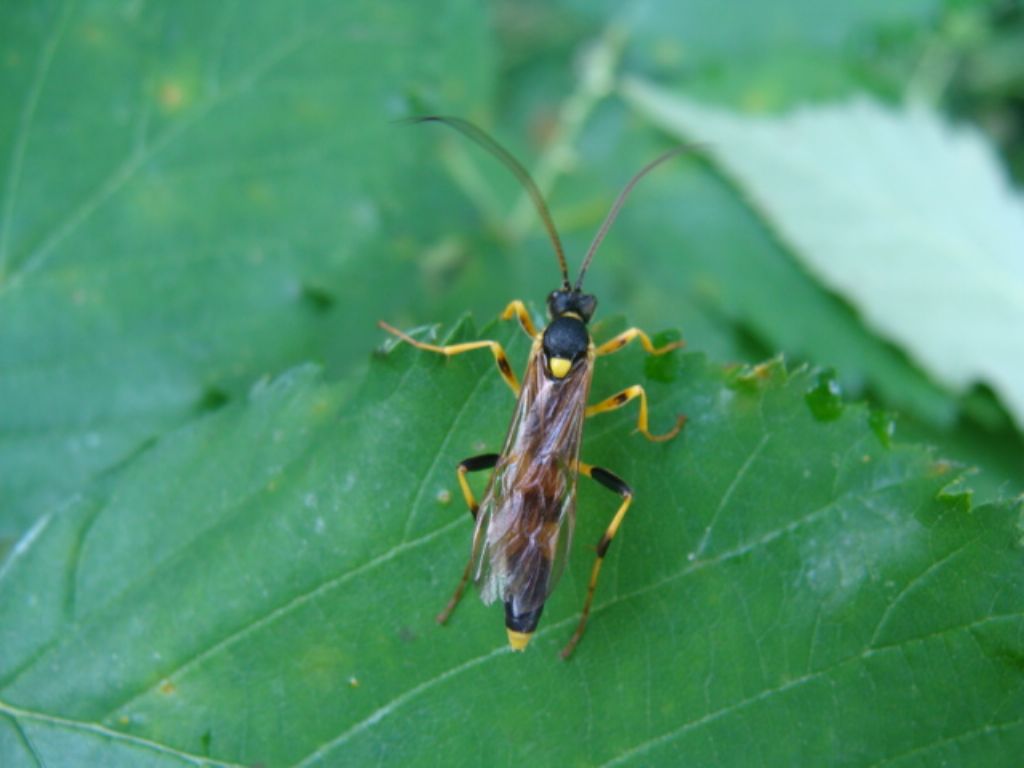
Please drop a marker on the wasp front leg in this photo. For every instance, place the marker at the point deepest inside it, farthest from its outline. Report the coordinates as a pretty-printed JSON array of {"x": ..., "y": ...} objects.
[
  {"x": 474, "y": 464},
  {"x": 617, "y": 485},
  {"x": 614, "y": 345},
  {"x": 500, "y": 358},
  {"x": 619, "y": 399},
  {"x": 515, "y": 309},
  {"x": 518, "y": 310}
]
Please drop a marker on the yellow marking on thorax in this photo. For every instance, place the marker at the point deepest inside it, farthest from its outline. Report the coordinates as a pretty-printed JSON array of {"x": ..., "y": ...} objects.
[{"x": 559, "y": 367}]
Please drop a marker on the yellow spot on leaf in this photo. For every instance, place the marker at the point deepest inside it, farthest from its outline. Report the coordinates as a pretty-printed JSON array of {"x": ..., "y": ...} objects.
[{"x": 172, "y": 96}]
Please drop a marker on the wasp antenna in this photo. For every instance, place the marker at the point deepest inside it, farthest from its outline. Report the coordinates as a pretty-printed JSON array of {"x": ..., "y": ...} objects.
[
  {"x": 610, "y": 218},
  {"x": 475, "y": 134}
]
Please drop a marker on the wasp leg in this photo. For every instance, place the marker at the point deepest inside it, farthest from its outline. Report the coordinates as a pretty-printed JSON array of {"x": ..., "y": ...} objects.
[
  {"x": 621, "y": 398},
  {"x": 474, "y": 464},
  {"x": 616, "y": 484},
  {"x": 614, "y": 345},
  {"x": 457, "y": 349},
  {"x": 518, "y": 309}
]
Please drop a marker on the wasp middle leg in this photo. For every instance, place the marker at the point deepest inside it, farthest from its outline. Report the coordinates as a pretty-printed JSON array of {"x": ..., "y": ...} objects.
[
  {"x": 619, "y": 399},
  {"x": 617, "y": 485},
  {"x": 473, "y": 464}
]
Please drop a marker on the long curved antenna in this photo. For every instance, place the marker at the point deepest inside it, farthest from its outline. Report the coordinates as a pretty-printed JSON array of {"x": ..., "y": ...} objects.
[
  {"x": 610, "y": 218},
  {"x": 473, "y": 133}
]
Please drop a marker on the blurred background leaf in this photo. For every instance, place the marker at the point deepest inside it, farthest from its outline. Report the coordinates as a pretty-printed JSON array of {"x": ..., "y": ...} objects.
[
  {"x": 910, "y": 220},
  {"x": 197, "y": 195}
]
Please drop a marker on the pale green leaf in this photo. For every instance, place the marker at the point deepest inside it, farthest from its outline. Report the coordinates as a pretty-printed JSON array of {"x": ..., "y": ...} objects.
[{"x": 908, "y": 218}]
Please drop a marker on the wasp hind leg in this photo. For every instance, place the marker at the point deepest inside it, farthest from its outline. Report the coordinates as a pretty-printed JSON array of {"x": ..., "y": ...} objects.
[
  {"x": 617, "y": 485},
  {"x": 473, "y": 464},
  {"x": 621, "y": 398}
]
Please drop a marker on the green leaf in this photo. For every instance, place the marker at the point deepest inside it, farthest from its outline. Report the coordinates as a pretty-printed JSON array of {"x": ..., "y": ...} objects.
[
  {"x": 197, "y": 194},
  {"x": 912, "y": 222},
  {"x": 260, "y": 586}
]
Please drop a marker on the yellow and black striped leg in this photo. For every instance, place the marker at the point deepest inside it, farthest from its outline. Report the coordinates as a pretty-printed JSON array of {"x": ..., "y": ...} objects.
[
  {"x": 621, "y": 398},
  {"x": 518, "y": 309},
  {"x": 614, "y": 345},
  {"x": 613, "y": 483},
  {"x": 457, "y": 349},
  {"x": 474, "y": 464}
]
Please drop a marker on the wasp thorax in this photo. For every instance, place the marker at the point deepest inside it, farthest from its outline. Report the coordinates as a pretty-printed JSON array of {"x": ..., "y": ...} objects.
[
  {"x": 565, "y": 341},
  {"x": 571, "y": 302}
]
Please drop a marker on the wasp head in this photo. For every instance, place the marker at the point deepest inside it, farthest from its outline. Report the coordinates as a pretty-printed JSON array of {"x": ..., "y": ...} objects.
[
  {"x": 571, "y": 302},
  {"x": 566, "y": 339}
]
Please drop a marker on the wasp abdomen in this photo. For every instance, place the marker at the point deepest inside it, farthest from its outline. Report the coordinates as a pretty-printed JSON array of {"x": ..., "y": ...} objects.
[{"x": 521, "y": 626}]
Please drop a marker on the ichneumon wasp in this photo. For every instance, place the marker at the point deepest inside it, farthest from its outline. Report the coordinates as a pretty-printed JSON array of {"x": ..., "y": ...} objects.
[{"x": 525, "y": 520}]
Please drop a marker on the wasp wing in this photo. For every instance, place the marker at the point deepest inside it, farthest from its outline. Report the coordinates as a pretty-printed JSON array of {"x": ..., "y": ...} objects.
[{"x": 524, "y": 529}]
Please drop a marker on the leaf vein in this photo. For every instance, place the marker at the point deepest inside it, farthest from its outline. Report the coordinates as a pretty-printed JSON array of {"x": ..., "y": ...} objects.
[
  {"x": 285, "y": 609},
  {"x": 28, "y": 113},
  {"x": 913, "y": 584},
  {"x": 727, "y": 495},
  {"x": 109, "y": 734},
  {"x": 139, "y": 156}
]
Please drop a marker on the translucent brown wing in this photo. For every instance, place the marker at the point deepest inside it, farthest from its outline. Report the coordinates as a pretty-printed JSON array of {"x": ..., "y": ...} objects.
[{"x": 524, "y": 528}]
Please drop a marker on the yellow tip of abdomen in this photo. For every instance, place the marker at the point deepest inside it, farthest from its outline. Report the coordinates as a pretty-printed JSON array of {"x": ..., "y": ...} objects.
[{"x": 518, "y": 640}]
